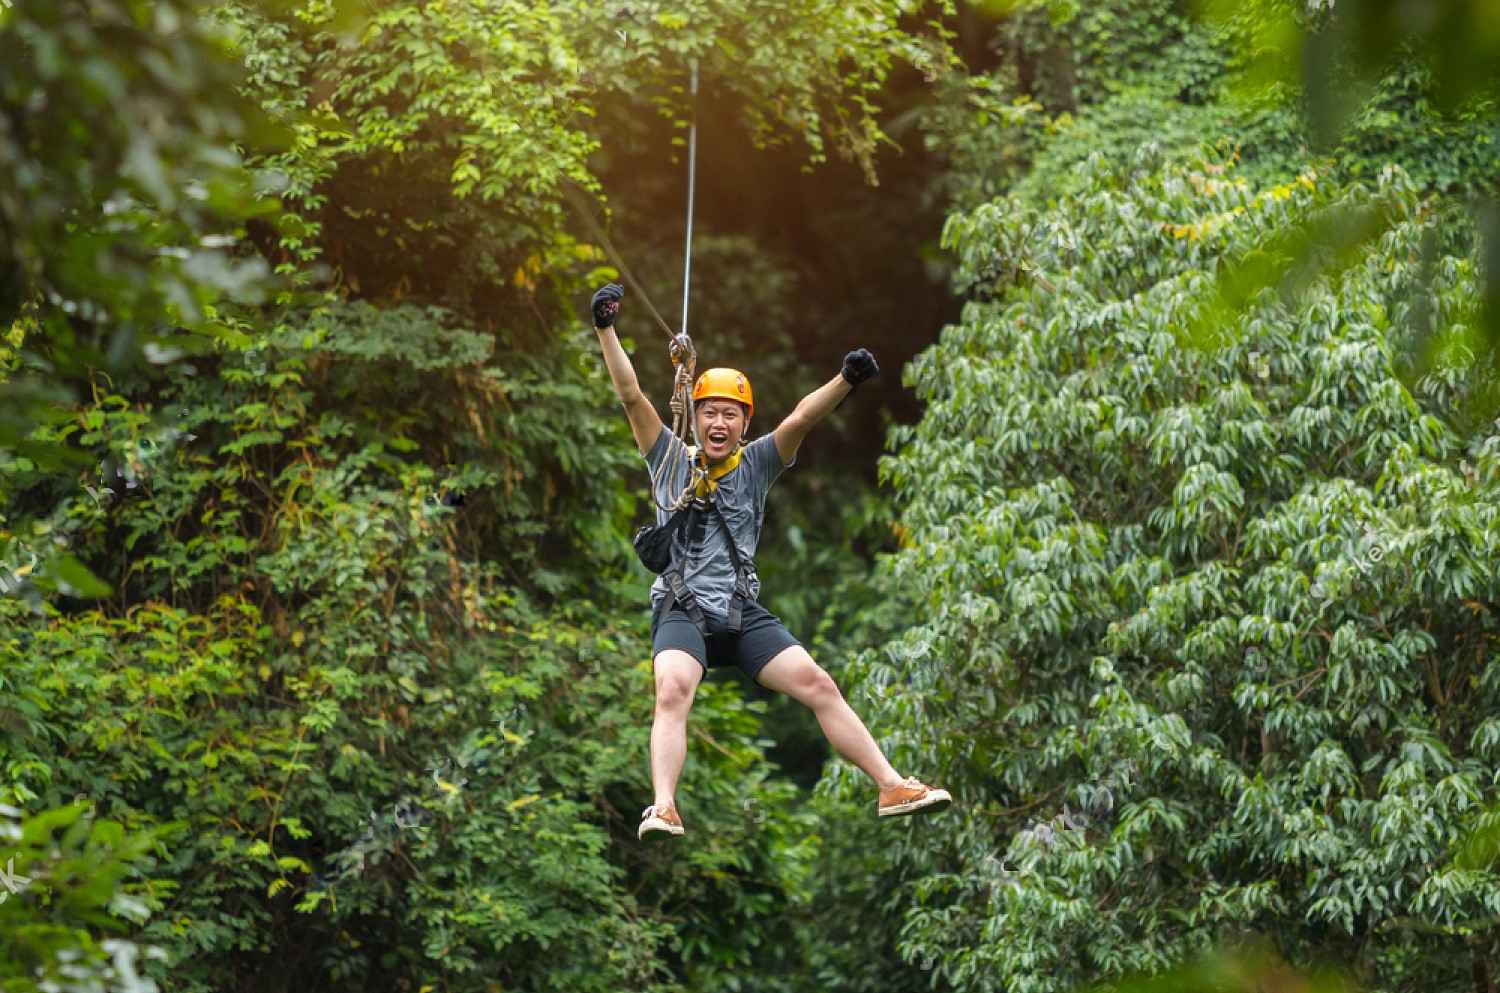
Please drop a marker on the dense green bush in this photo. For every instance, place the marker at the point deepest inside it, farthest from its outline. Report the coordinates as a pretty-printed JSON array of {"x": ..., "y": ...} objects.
[
  {"x": 319, "y": 635},
  {"x": 383, "y": 552},
  {"x": 355, "y": 680},
  {"x": 1250, "y": 586},
  {"x": 122, "y": 192}
]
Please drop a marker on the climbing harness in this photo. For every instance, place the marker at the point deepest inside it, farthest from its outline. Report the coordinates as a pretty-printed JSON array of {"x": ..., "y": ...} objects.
[
  {"x": 695, "y": 502},
  {"x": 678, "y": 593},
  {"x": 653, "y": 543},
  {"x": 684, "y": 425}
]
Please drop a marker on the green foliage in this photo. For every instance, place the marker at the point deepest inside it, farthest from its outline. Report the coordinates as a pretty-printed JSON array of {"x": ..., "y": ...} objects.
[
  {"x": 1240, "y": 967},
  {"x": 454, "y": 132},
  {"x": 381, "y": 553},
  {"x": 1109, "y": 79},
  {"x": 122, "y": 192},
  {"x": 1451, "y": 154},
  {"x": 64, "y": 875},
  {"x": 1258, "y": 83},
  {"x": 1334, "y": 59},
  {"x": 1074, "y": 55},
  {"x": 314, "y": 637},
  {"x": 369, "y": 630},
  {"x": 985, "y": 133},
  {"x": 1100, "y": 80},
  {"x": 1249, "y": 586}
]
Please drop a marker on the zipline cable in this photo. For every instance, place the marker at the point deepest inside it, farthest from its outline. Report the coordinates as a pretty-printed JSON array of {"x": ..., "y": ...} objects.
[
  {"x": 687, "y": 252},
  {"x": 684, "y": 355},
  {"x": 575, "y": 193}
]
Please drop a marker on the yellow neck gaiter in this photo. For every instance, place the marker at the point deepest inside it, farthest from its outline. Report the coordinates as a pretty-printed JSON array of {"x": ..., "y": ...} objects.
[{"x": 707, "y": 486}]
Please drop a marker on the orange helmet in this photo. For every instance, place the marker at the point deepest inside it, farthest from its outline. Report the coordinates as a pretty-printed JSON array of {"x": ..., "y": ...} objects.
[{"x": 725, "y": 384}]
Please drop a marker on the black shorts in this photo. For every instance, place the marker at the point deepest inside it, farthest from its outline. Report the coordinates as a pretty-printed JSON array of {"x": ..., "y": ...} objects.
[{"x": 761, "y": 639}]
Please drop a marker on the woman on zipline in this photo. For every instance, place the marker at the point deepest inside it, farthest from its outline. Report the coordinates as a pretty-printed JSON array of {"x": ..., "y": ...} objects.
[{"x": 704, "y": 611}]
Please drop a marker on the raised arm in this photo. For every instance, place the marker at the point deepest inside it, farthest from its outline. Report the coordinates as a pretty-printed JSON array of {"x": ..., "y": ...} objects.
[
  {"x": 858, "y": 367},
  {"x": 645, "y": 423}
]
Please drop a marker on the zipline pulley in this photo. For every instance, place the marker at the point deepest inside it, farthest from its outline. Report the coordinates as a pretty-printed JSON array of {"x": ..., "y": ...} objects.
[{"x": 685, "y": 365}]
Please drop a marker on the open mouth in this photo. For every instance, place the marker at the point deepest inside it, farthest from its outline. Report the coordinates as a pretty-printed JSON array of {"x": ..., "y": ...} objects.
[{"x": 718, "y": 438}]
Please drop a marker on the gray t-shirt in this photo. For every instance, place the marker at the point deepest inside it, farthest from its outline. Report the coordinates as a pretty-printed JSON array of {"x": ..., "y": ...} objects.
[{"x": 741, "y": 497}]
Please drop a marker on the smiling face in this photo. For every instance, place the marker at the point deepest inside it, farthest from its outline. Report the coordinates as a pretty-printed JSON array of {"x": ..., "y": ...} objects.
[{"x": 721, "y": 425}]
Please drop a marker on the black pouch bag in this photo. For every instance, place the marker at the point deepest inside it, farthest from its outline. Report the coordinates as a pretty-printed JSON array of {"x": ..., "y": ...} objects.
[{"x": 653, "y": 543}]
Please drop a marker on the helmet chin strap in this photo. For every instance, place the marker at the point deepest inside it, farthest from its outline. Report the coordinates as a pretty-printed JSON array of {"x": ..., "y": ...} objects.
[
  {"x": 738, "y": 446},
  {"x": 703, "y": 454}
]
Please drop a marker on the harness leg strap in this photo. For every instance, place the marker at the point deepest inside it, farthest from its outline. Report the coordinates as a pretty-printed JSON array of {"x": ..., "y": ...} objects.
[
  {"x": 742, "y": 575},
  {"x": 678, "y": 592}
]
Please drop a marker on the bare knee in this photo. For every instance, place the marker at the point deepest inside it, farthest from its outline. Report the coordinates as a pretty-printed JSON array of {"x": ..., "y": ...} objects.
[
  {"x": 677, "y": 676},
  {"x": 674, "y": 692},
  {"x": 817, "y": 689}
]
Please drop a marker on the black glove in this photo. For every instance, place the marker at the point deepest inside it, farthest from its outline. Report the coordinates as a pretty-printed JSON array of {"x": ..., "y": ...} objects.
[
  {"x": 858, "y": 367},
  {"x": 606, "y": 304}
]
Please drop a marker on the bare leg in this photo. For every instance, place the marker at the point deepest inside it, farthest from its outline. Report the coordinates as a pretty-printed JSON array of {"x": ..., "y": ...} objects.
[
  {"x": 794, "y": 673},
  {"x": 677, "y": 678}
]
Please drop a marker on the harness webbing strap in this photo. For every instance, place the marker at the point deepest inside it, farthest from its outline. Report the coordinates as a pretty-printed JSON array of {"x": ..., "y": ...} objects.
[
  {"x": 741, "y": 575},
  {"x": 678, "y": 592}
]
